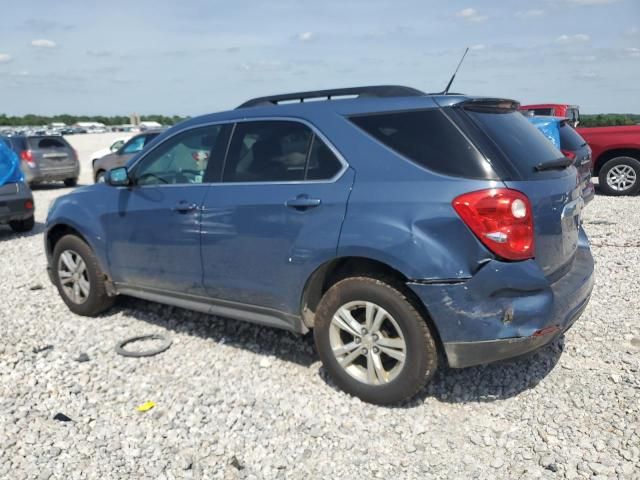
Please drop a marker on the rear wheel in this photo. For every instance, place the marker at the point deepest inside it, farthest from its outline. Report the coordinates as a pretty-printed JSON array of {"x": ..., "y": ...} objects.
[
  {"x": 78, "y": 277},
  {"x": 373, "y": 342},
  {"x": 71, "y": 182},
  {"x": 21, "y": 226},
  {"x": 620, "y": 176}
]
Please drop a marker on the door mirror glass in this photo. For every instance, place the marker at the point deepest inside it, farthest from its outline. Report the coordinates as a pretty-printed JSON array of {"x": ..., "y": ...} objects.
[{"x": 118, "y": 177}]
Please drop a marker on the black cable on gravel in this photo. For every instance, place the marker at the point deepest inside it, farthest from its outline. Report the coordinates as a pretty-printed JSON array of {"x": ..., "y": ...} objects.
[{"x": 166, "y": 343}]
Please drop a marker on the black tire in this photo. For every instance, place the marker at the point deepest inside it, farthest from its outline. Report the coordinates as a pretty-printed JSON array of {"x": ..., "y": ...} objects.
[
  {"x": 421, "y": 358},
  {"x": 21, "y": 226},
  {"x": 628, "y": 162},
  {"x": 97, "y": 300},
  {"x": 100, "y": 176},
  {"x": 71, "y": 182}
]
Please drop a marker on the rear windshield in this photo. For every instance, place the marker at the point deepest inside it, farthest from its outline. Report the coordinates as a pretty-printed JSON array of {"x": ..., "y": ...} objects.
[
  {"x": 47, "y": 142},
  {"x": 522, "y": 143},
  {"x": 570, "y": 139},
  {"x": 428, "y": 138}
]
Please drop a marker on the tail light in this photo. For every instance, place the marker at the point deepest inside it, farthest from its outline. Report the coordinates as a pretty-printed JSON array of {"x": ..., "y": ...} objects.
[
  {"x": 28, "y": 205},
  {"x": 502, "y": 220},
  {"x": 27, "y": 157},
  {"x": 569, "y": 154}
]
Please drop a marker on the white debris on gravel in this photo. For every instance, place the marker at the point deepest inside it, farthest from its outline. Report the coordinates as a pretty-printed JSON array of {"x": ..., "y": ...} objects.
[{"x": 234, "y": 400}]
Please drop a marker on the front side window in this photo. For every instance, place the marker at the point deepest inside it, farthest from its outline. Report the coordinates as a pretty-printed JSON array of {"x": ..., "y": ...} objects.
[
  {"x": 134, "y": 145},
  {"x": 182, "y": 159},
  {"x": 268, "y": 151}
]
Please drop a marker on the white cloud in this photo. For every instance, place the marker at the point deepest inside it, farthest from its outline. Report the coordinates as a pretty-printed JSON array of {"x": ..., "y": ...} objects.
[
  {"x": 632, "y": 52},
  {"x": 471, "y": 15},
  {"x": 479, "y": 46},
  {"x": 535, "y": 12},
  {"x": 5, "y": 58},
  {"x": 20, "y": 73},
  {"x": 587, "y": 75},
  {"x": 306, "y": 36},
  {"x": 43, "y": 43},
  {"x": 577, "y": 38},
  {"x": 583, "y": 58}
]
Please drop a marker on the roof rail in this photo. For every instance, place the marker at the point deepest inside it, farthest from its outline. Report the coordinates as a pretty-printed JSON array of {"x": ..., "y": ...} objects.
[{"x": 371, "y": 91}]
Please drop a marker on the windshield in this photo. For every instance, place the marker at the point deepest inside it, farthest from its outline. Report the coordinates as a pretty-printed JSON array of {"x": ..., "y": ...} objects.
[{"x": 522, "y": 143}]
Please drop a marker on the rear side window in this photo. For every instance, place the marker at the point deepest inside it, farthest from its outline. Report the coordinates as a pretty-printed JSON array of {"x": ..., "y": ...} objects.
[
  {"x": 428, "y": 138},
  {"x": 47, "y": 143},
  {"x": 570, "y": 139},
  {"x": 522, "y": 143},
  {"x": 268, "y": 151}
]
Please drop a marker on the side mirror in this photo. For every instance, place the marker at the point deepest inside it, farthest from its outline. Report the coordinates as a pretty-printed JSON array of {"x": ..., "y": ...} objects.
[{"x": 118, "y": 177}]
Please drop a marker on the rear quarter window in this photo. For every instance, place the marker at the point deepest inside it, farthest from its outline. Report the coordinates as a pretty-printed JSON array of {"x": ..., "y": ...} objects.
[{"x": 428, "y": 138}]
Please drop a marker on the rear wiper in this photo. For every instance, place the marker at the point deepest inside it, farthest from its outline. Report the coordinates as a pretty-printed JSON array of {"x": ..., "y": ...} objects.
[{"x": 558, "y": 164}]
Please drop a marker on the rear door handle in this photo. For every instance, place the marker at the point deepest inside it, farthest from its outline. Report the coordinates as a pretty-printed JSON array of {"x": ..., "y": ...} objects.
[
  {"x": 185, "y": 207},
  {"x": 303, "y": 202}
]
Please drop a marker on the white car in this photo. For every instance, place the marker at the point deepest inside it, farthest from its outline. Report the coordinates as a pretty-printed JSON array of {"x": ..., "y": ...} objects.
[{"x": 115, "y": 146}]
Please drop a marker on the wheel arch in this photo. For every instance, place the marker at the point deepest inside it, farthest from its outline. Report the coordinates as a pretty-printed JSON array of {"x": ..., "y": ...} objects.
[
  {"x": 55, "y": 232},
  {"x": 614, "y": 153},
  {"x": 332, "y": 271}
]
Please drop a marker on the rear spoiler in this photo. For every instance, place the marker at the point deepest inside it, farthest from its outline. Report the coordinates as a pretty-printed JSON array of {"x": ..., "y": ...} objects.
[{"x": 490, "y": 105}]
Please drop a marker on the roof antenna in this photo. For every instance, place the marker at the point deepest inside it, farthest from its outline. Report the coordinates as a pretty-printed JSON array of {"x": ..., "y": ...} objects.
[{"x": 446, "y": 90}]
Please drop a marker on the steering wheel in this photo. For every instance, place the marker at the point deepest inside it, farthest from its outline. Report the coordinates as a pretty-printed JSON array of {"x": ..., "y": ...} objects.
[{"x": 189, "y": 175}]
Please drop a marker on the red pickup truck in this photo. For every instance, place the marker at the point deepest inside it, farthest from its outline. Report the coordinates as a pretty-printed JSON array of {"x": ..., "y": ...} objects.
[{"x": 615, "y": 151}]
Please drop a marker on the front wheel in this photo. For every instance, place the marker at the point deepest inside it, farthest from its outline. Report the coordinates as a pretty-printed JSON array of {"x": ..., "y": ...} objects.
[
  {"x": 620, "y": 176},
  {"x": 78, "y": 277},
  {"x": 373, "y": 341}
]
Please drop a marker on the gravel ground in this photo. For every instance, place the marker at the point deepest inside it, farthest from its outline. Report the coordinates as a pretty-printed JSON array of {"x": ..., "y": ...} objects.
[{"x": 234, "y": 400}]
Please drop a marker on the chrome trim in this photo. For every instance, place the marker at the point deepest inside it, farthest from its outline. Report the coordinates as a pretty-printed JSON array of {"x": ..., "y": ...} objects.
[{"x": 314, "y": 129}]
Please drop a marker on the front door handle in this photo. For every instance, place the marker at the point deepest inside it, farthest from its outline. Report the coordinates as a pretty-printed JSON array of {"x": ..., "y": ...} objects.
[
  {"x": 185, "y": 207},
  {"x": 303, "y": 202}
]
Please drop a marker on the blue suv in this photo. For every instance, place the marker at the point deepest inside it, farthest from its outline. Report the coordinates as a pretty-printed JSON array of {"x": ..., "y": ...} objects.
[{"x": 404, "y": 229}]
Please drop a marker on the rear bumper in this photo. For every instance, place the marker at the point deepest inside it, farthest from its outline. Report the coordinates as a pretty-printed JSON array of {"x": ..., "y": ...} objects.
[
  {"x": 507, "y": 309},
  {"x": 13, "y": 197},
  {"x": 35, "y": 175}
]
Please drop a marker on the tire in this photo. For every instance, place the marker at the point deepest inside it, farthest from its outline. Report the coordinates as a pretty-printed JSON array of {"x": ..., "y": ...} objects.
[
  {"x": 21, "y": 226},
  {"x": 626, "y": 170},
  {"x": 100, "y": 177},
  {"x": 90, "y": 303},
  {"x": 71, "y": 182},
  {"x": 400, "y": 380}
]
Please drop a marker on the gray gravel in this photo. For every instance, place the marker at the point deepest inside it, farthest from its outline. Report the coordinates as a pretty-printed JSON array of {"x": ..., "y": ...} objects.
[{"x": 234, "y": 400}]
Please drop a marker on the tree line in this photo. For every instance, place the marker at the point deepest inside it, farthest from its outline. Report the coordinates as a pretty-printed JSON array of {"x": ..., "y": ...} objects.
[
  {"x": 609, "y": 119},
  {"x": 37, "y": 120}
]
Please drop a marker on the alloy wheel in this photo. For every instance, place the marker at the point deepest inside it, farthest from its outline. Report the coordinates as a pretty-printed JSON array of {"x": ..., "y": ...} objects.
[
  {"x": 74, "y": 277},
  {"x": 367, "y": 342},
  {"x": 621, "y": 178}
]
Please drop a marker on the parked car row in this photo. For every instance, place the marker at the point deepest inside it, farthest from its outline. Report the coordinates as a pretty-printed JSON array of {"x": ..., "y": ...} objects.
[{"x": 342, "y": 216}]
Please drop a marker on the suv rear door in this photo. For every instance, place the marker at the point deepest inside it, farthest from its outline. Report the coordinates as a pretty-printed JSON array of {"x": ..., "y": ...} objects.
[
  {"x": 51, "y": 153},
  {"x": 275, "y": 216}
]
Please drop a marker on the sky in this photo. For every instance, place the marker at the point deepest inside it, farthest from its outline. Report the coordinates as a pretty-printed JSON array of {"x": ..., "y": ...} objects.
[{"x": 191, "y": 57}]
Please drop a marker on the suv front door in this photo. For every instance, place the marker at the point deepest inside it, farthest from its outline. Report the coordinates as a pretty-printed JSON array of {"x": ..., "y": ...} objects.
[
  {"x": 275, "y": 216},
  {"x": 154, "y": 231}
]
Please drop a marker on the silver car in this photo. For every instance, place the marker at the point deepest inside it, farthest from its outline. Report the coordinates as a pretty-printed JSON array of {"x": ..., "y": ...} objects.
[{"x": 46, "y": 158}]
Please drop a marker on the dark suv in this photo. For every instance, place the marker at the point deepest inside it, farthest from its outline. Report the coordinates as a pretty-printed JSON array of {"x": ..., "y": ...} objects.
[
  {"x": 396, "y": 225},
  {"x": 46, "y": 158}
]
